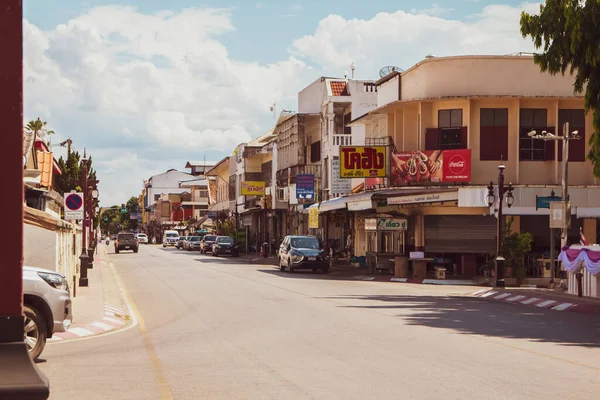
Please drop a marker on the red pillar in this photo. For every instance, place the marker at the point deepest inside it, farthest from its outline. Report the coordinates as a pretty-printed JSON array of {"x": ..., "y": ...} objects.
[{"x": 19, "y": 378}]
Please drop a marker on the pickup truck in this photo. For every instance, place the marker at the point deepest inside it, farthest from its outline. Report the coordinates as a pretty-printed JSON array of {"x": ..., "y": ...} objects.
[{"x": 126, "y": 241}]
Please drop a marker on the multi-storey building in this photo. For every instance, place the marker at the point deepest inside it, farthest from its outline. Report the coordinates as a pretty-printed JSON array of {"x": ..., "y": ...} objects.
[{"x": 450, "y": 122}]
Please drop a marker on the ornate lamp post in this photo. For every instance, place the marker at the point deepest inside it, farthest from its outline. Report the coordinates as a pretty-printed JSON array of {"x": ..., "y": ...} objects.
[
  {"x": 92, "y": 194},
  {"x": 504, "y": 193}
]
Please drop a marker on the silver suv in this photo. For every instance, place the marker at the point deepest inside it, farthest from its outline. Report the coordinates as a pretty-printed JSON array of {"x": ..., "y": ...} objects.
[{"x": 46, "y": 306}]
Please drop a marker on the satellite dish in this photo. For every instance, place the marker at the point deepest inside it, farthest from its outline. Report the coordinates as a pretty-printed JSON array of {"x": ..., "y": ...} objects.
[{"x": 388, "y": 70}]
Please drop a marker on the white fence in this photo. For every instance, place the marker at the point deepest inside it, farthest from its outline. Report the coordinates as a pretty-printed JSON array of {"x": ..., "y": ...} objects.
[{"x": 51, "y": 243}]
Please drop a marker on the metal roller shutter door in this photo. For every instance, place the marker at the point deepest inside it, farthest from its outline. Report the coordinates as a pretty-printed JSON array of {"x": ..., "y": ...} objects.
[{"x": 460, "y": 233}]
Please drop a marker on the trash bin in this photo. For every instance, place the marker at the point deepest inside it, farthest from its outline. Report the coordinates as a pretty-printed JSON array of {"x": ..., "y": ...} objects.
[{"x": 265, "y": 250}]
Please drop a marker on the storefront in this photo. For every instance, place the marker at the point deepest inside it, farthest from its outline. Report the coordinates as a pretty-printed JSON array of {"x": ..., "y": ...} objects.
[{"x": 385, "y": 239}]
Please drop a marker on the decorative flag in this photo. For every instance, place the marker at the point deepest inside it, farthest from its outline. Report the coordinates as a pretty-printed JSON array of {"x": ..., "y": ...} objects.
[{"x": 582, "y": 240}]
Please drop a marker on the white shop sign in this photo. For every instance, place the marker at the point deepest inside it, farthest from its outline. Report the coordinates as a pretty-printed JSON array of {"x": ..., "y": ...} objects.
[
  {"x": 360, "y": 205},
  {"x": 424, "y": 198},
  {"x": 386, "y": 224}
]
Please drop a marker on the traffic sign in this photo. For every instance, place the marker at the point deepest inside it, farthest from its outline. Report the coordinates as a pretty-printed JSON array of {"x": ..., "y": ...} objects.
[{"x": 74, "y": 206}]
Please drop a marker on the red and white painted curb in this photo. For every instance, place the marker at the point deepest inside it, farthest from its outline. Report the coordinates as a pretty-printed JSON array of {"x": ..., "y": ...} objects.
[
  {"x": 532, "y": 300},
  {"x": 114, "y": 318},
  {"x": 462, "y": 282}
]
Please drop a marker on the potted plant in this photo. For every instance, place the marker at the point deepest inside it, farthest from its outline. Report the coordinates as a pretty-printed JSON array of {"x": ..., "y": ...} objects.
[{"x": 515, "y": 246}]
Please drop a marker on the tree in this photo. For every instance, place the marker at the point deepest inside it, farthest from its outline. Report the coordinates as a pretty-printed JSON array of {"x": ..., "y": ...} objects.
[
  {"x": 36, "y": 127},
  {"x": 70, "y": 179},
  {"x": 567, "y": 30}
]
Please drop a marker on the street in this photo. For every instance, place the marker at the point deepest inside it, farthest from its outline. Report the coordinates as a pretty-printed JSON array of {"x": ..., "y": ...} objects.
[{"x": 216, "y": 328}]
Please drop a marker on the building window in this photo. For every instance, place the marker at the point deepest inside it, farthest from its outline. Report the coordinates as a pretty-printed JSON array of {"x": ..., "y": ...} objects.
[
  {"x": 315, "y": 152},
  {"x": 493, "y": 134},
  {"x": 450, "y": 118},
  {"x": 326, "y": 174},
  {"x": 576, "y": 120},
  {"x": 531, "y": 119}
]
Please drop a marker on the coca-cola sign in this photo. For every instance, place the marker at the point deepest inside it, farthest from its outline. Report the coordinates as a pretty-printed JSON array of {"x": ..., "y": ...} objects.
[{"x": 431, "y": 166}]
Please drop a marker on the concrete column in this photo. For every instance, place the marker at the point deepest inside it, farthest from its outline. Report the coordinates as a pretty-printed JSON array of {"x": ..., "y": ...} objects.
[{"x": 419, "y": 232}]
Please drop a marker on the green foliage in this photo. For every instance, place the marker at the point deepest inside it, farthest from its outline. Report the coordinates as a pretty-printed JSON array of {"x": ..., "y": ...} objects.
[
  {"x": 114, "y": 221},
  {"x": 70, "y": 179},
  {"x": 38, "y": 126},
  {"x": 515, "y": 246},
  {"x": 567, "y": 32},
  {"x": 226, "y": 228}
]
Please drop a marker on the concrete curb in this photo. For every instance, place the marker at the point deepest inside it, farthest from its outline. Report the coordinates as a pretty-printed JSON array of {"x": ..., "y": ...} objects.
[
  {"x": 458, "y": 282},
  {"x": 114, "y": 319},
  {"x": 537, "y": 300}
]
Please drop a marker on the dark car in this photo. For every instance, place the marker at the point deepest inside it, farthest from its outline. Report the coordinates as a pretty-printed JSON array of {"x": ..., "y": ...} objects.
[
  {"x": 206, "y": 243},
  {"x": 193, "y": 243},
  {"x": 126, "y": 241},
  {"x": 302, "y": 252},
  {"x": 224, "y": 245},
  {"x": 181, "y": 242}
]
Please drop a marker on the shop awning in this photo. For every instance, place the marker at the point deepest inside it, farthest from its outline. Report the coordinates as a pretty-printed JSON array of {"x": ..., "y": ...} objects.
[
  {"x": 360, "y": 202},
  {"x": 305, "y": 210},
  {"x": 333, "y": 204},
  {"x": 420, "y": 197}
]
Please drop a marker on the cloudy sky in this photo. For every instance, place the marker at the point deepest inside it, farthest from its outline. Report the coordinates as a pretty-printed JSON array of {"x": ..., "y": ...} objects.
[{"x": 146, "y": 85}]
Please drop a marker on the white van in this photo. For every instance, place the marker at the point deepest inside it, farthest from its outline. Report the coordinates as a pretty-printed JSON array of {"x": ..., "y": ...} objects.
[{"x": 170, "y": 238}]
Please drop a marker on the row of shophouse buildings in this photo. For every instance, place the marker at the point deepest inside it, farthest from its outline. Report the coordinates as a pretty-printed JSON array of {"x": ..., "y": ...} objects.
[{"x": 402, "y": 164}]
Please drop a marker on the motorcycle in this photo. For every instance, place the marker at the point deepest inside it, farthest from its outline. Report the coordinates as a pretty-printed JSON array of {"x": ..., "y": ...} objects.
[{"x": 107, "y": 241}]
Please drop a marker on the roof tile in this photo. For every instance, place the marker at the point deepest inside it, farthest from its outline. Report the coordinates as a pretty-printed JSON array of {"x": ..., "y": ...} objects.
[{"x": 338, "y": 88}]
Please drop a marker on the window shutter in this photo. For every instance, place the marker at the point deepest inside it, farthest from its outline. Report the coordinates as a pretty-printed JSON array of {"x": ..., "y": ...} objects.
[
  {"x": 486, "y": 144},
  {"x": 432, "y": 139},
  {"x": 549, "y": 154},
  {"x": 463, "y": 137},
  {"x": 500, "y": 142}
]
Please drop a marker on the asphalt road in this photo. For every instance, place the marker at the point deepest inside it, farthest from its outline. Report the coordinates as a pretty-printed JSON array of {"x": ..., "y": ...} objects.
[{"x": 219, "y": 329}]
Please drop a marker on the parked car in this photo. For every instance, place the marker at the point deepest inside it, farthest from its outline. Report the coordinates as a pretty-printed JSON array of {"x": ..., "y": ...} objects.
[
  {"x": 181, "y": 242},
  {"x": 170, "y": 238},
  {"x": 302, "y": 252},
  {"x": 224, "y": 245},
  {"x": 126, "y": 241},
  {"x": 206, "y": 243},
  {"x": 193, "y": 243},
  {"x": 46, "y": 306},
  {"x": 142, "y": 238}
]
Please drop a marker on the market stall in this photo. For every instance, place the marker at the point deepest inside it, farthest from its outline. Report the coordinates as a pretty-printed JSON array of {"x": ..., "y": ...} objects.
[{"x": 386, "y": 239}]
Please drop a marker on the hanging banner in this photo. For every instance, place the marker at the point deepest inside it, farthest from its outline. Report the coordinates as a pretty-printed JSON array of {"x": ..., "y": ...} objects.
[
  {"x": 363, "y": 161},
  {"x": 305, "y": 186},
  {"x": 431, "y": 166},
  {"x": 313, "y": 217},
  {"x": 253, "y": 188}
]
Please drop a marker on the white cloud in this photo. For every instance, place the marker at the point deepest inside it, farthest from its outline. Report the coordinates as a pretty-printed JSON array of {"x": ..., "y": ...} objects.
[
  {"x": 145, "y": 93},
  {"x": 434, "y": 10},
  {"x": 403, "y": 38},
  {"x": 122, "y": 83}
]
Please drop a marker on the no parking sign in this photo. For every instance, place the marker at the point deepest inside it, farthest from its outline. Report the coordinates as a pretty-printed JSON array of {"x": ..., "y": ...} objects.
[{"x": 74, "y": 206}]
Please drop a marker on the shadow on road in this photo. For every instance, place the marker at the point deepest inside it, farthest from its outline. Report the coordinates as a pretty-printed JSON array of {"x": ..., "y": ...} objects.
[{"x": 488, "y": 318}]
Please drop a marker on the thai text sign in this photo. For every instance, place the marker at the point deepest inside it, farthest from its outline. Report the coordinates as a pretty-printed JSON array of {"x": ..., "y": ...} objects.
[
  {"x": 305, "y": 186},
  {"x": 363, "y": 161},
  {"x": 544, "y": 201},
  {"x": 338, "y": 185},
  {"x": 431, "y": 166},
  {"x": 253, "y": 188},
  {"x": 386, "y": 224},
  {"x": 313, "y": 217}
]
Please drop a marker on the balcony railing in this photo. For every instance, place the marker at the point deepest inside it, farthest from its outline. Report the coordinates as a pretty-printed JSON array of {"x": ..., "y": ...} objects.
[{"x": 342, "y": 140}]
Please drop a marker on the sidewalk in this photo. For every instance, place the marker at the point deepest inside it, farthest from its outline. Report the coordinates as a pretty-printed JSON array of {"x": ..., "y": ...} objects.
[
  {"x": 551, "y": 299},
  {"x": 98, "y": 308}
]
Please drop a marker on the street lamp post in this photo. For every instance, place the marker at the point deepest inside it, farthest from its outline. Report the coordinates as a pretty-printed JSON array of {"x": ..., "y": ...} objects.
[
  {"x": 93, "y": 194},
  {"x": 84, "y": 258},
  {"x": 506, "y": 194},
  {"x": 566, "y": 137}
]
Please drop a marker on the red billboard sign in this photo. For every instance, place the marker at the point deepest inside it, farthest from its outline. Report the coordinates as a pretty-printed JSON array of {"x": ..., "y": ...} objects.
[{"x": 431, "y": 166}]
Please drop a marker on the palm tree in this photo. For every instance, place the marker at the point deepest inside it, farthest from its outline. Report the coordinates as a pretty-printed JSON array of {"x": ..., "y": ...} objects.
[{"x": 37, "y": 126}]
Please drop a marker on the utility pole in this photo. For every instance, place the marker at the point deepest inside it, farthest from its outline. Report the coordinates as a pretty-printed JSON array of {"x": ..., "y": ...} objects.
[
  {"x": 19, "y": 377},
  {"x": 84, "y": 258}
]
